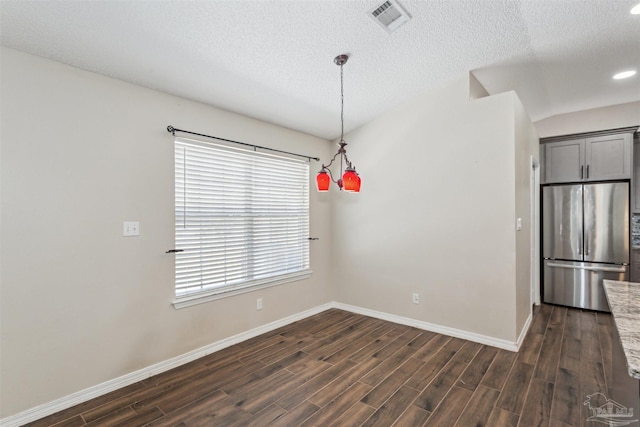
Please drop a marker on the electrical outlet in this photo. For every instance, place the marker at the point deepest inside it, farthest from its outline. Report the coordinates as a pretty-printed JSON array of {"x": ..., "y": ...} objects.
[
  {"x": 259, "y": 304},
  {"x": 415, "y": 298}
]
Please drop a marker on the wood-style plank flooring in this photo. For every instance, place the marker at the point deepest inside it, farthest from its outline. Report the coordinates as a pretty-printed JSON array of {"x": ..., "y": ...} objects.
[{"x": 342, "y": 369}]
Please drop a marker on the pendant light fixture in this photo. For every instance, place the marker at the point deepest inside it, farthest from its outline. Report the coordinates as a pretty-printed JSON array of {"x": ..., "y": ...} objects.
[{"x": 349, "y": 180}]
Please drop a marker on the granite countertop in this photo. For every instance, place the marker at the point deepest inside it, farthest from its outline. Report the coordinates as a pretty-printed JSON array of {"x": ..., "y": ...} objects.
[{"x": 624, "y": 301}]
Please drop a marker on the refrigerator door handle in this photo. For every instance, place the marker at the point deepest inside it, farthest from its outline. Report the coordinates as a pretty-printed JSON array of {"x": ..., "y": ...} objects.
[
  {"x": 586, "y": 246},
  {"x": 577, "y": 267},
  {"x": 581, "y": 171}
]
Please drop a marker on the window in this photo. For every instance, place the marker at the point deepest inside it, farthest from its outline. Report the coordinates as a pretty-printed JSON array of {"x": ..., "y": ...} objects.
[{"x": 241, "y": 220}]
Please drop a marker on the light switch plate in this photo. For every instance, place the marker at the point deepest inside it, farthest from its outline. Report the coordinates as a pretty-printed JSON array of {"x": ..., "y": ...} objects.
[
  {"x": 131, "y": 228},
  {"x": 519, "y": 224}
]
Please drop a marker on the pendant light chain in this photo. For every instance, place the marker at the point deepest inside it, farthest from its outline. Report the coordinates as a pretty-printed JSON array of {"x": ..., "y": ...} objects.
[
  {"x": 341, "y": 103},
  {"x": 341, "y": 111},
  {"x": 350, "y": 180}
]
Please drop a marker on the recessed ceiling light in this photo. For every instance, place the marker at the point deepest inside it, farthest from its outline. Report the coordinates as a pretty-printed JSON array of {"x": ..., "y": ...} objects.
[
  {"x": 635, "y": 10},
  {"x": 624, "y": 74}
]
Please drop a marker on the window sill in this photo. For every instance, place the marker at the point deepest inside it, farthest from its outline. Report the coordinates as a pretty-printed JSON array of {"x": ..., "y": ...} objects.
[{"x": 216, "y": 294}]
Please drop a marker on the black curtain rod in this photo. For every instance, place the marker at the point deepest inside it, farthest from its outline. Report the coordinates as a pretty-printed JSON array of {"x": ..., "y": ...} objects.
[{"x": 173, "y": 130}]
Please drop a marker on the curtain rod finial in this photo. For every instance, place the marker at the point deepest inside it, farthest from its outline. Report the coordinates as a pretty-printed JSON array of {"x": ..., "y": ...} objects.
[{"x": 171, "y": 129}]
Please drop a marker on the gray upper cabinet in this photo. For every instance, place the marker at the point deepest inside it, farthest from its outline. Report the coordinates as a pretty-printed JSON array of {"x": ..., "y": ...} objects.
[
  {"x": 608, "y": 157},
  {"x": 597, "y": 158},
  {"x": 564, "y": 161}
]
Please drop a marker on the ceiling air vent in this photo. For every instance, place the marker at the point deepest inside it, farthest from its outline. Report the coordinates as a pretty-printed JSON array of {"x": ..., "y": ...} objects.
[{"x": 390, "y": 15}]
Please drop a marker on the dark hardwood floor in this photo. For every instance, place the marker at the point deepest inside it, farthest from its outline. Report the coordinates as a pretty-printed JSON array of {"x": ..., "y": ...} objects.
[{"x": 342, "y": 369}]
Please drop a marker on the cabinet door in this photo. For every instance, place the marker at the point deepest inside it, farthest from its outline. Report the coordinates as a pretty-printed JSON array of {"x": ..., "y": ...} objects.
[
  {"x": 624, "y": 389},
  {"x": 608, "y": 157},
  {"x": 635, "y": 272},
  {"x": 564, "y": 161}
]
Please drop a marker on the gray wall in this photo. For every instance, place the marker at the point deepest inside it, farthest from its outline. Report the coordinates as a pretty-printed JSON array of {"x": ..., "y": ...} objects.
[
  {"x": 611, "y": 117},
  {"x": 443, "y": 181},
  {"x": 81, "y": 153}
]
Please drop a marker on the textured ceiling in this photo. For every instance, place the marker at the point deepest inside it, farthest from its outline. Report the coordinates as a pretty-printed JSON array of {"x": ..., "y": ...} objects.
[{"x": 273, "y": 60}]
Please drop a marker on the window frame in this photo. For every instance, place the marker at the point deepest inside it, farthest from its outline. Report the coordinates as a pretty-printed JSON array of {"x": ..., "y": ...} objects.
[{"x": 190, "y": 298}]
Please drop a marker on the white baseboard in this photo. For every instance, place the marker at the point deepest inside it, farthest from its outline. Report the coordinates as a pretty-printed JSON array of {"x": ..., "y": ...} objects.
[
  {"x": 525, "y": 329},
  {"x": 87, "y": 394},
  {"x": 445, "y": 330}
]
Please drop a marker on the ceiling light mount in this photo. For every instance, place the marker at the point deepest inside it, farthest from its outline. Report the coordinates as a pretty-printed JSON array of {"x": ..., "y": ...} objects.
[
  {"x": 349, "y": 180},
  {"x": 341, "y": 59}
]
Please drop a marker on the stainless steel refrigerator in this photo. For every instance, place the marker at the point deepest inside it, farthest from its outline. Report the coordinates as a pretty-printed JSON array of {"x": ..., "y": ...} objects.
[{"x": 585, "y": 239}]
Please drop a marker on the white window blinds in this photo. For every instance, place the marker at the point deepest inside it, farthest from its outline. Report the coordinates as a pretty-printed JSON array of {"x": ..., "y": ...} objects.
[{"x": 242, "y": 217}]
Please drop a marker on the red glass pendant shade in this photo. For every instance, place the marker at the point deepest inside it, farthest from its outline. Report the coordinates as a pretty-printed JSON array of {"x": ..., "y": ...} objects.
[
  {"x": 323, "y": 181},
  {"x": 350, "y": 180}
]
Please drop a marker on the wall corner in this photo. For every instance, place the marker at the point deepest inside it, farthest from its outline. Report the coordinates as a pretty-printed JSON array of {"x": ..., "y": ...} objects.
[{"x": 476, "y": 89}]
